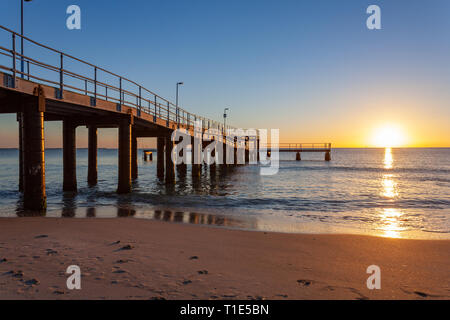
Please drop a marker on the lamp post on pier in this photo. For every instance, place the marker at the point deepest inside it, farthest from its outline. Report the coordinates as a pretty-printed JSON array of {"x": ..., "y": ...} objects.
[
  {"x": 176, "y": 103},
  {"x": 22, "y": 67},
  {"x": 225, "y": 119}
]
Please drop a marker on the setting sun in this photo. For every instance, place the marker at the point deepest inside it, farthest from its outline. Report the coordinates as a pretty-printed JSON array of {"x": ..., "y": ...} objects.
[{"x": 388, "y": 136}]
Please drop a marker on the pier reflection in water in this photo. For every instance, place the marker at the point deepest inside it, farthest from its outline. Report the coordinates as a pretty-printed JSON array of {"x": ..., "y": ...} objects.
[
  {"x": 124, "y": 210},
  {"x": 206, "y": 219}
]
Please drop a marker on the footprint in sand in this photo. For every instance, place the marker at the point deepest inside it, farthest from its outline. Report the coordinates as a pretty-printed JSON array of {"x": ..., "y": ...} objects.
[
  {"x": 15, "y": 274},
  {"x": 123, "y": 261},
  {"x": 256, "y": 298},
  {"x": 51, "y": 252},
  {"x": 127, "y": 247},
  {"x": 119, "y": 271},
  {"x": 58, "y": 292},
  {"x": 202, "y": 272},
  {"x": 32, "y": 282},
  {"x": 193, "y": 258},
  {"x": 305, "y": 283}
]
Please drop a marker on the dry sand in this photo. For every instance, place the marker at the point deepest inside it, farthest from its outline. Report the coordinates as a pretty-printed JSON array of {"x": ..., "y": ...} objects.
[{"x": 155, "y": 260}]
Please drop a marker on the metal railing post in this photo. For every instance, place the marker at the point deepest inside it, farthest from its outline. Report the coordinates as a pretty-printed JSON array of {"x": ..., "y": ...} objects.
[
  {"x": 95, "y": 82},
  {"x": 14, "y": 59},
  {"x": 168, "y": 112},
  {"x": 120, "y": 90},
  {"x": 61, "y": 76},
  {"x": 28, "y": 70},
  {"x": 140, "y": 99}
]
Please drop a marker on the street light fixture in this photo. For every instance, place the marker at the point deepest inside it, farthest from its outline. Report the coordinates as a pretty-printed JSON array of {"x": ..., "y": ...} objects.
[
  {"x": 176, "y": 104},
  {"x": 21, "y": 39},
  {"x": 225, "y": 118}
]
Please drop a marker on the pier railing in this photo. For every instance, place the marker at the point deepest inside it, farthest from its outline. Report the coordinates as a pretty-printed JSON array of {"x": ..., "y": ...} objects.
[
  {"x": 300, "y": 146},
  {"x": 56, "y": 68}
]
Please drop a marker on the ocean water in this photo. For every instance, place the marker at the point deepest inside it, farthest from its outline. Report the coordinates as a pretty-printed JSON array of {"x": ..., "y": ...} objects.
[{"x": 403, "y": 193}]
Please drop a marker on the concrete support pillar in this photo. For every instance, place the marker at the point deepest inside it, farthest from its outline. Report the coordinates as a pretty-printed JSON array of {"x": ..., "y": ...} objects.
[
  {"x": 235, "y": 152},
  {"x": 33, "y": 159},
  {"x": 257, "y": 151},
  {"x": 124, "y": 156},
  {"x": 160, "y": 157},
  {"x": 170, "y": 167},
  {"x": 224, "y": 152},
  {"x": 213, "y": 155},
  {"x": 19, "y": 120},
  {"x": 247, "y": 150},
  {"x": 182, "y": 167},
  {"x": 327, "y": 156},
  {"x": 92, "y": 155},
  {"x": 196, "y": 167},
  {"x": 148, "y": 156},
  {"x": 69, "y": 156},
  {"x": 298, "y": 157},
  {"x": 134, "y": 157}
]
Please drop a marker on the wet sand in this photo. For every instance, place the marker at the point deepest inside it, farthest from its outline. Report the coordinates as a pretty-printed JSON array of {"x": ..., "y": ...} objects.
[{"x": 127, "y": 258}]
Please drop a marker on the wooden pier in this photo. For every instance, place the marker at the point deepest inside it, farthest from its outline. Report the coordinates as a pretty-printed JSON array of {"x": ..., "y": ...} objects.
[{"x": 46, "y": 91}]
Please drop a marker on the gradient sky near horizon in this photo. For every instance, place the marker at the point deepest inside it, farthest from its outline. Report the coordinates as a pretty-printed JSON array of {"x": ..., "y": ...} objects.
[{"x": 310, "y": 68}]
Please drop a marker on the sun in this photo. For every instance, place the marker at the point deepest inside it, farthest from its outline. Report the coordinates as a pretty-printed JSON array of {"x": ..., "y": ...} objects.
[{"x": 388, "y": 136}]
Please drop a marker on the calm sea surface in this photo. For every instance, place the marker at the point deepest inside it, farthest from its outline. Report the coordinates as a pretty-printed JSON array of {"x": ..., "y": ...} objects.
[{"x": 396, "y": 193}]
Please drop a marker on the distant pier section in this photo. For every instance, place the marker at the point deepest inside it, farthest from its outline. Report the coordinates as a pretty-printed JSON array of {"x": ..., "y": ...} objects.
[{"x": 298, "y": 148}]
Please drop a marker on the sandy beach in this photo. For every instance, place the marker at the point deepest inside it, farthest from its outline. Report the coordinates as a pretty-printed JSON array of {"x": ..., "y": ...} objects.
[{"x": 129, "y": 258}]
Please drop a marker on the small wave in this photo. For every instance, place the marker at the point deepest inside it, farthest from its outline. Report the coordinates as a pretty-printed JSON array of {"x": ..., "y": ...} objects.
[{"x": 370, "y": 169}]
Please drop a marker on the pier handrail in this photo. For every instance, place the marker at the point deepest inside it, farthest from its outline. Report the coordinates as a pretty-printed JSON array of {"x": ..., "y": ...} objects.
[
  {"x": 299, "y": 146},
  {"x": 138, "y": 97}
]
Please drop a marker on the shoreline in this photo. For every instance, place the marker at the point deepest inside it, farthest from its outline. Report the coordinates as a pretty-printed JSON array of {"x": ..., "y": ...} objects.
[
  {"x": 236, "y": 220},
  {"x": 165, "y": 260}
]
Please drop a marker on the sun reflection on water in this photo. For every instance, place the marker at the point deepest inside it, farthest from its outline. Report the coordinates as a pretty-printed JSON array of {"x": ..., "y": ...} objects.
[
  {"x": 388, "y": 159},
  {"x": 389, "y": 186},
  {"x": 390, "y": 217}
]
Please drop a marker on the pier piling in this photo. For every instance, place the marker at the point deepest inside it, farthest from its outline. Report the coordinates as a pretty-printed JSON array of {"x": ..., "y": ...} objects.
[
  {"x": 160, "y": 143},
  {"x": 247, "y": 150},
  {"x": 20, "y": 122},
  {"x": 170, "y": 168},
  {"x": 69, "y": 156},
  {"x": 124, "y": 156},
  {"x": 258, "y": 159},
  {"x": 196, "y": 154},
  {"x": 33, "y": 159},
  {"x": 92, "y": 155},
  {"x": 134, "y": 157}
]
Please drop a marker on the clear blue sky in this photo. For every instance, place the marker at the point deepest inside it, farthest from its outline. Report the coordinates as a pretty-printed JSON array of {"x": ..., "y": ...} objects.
[{"x": 310, "y": 68}]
